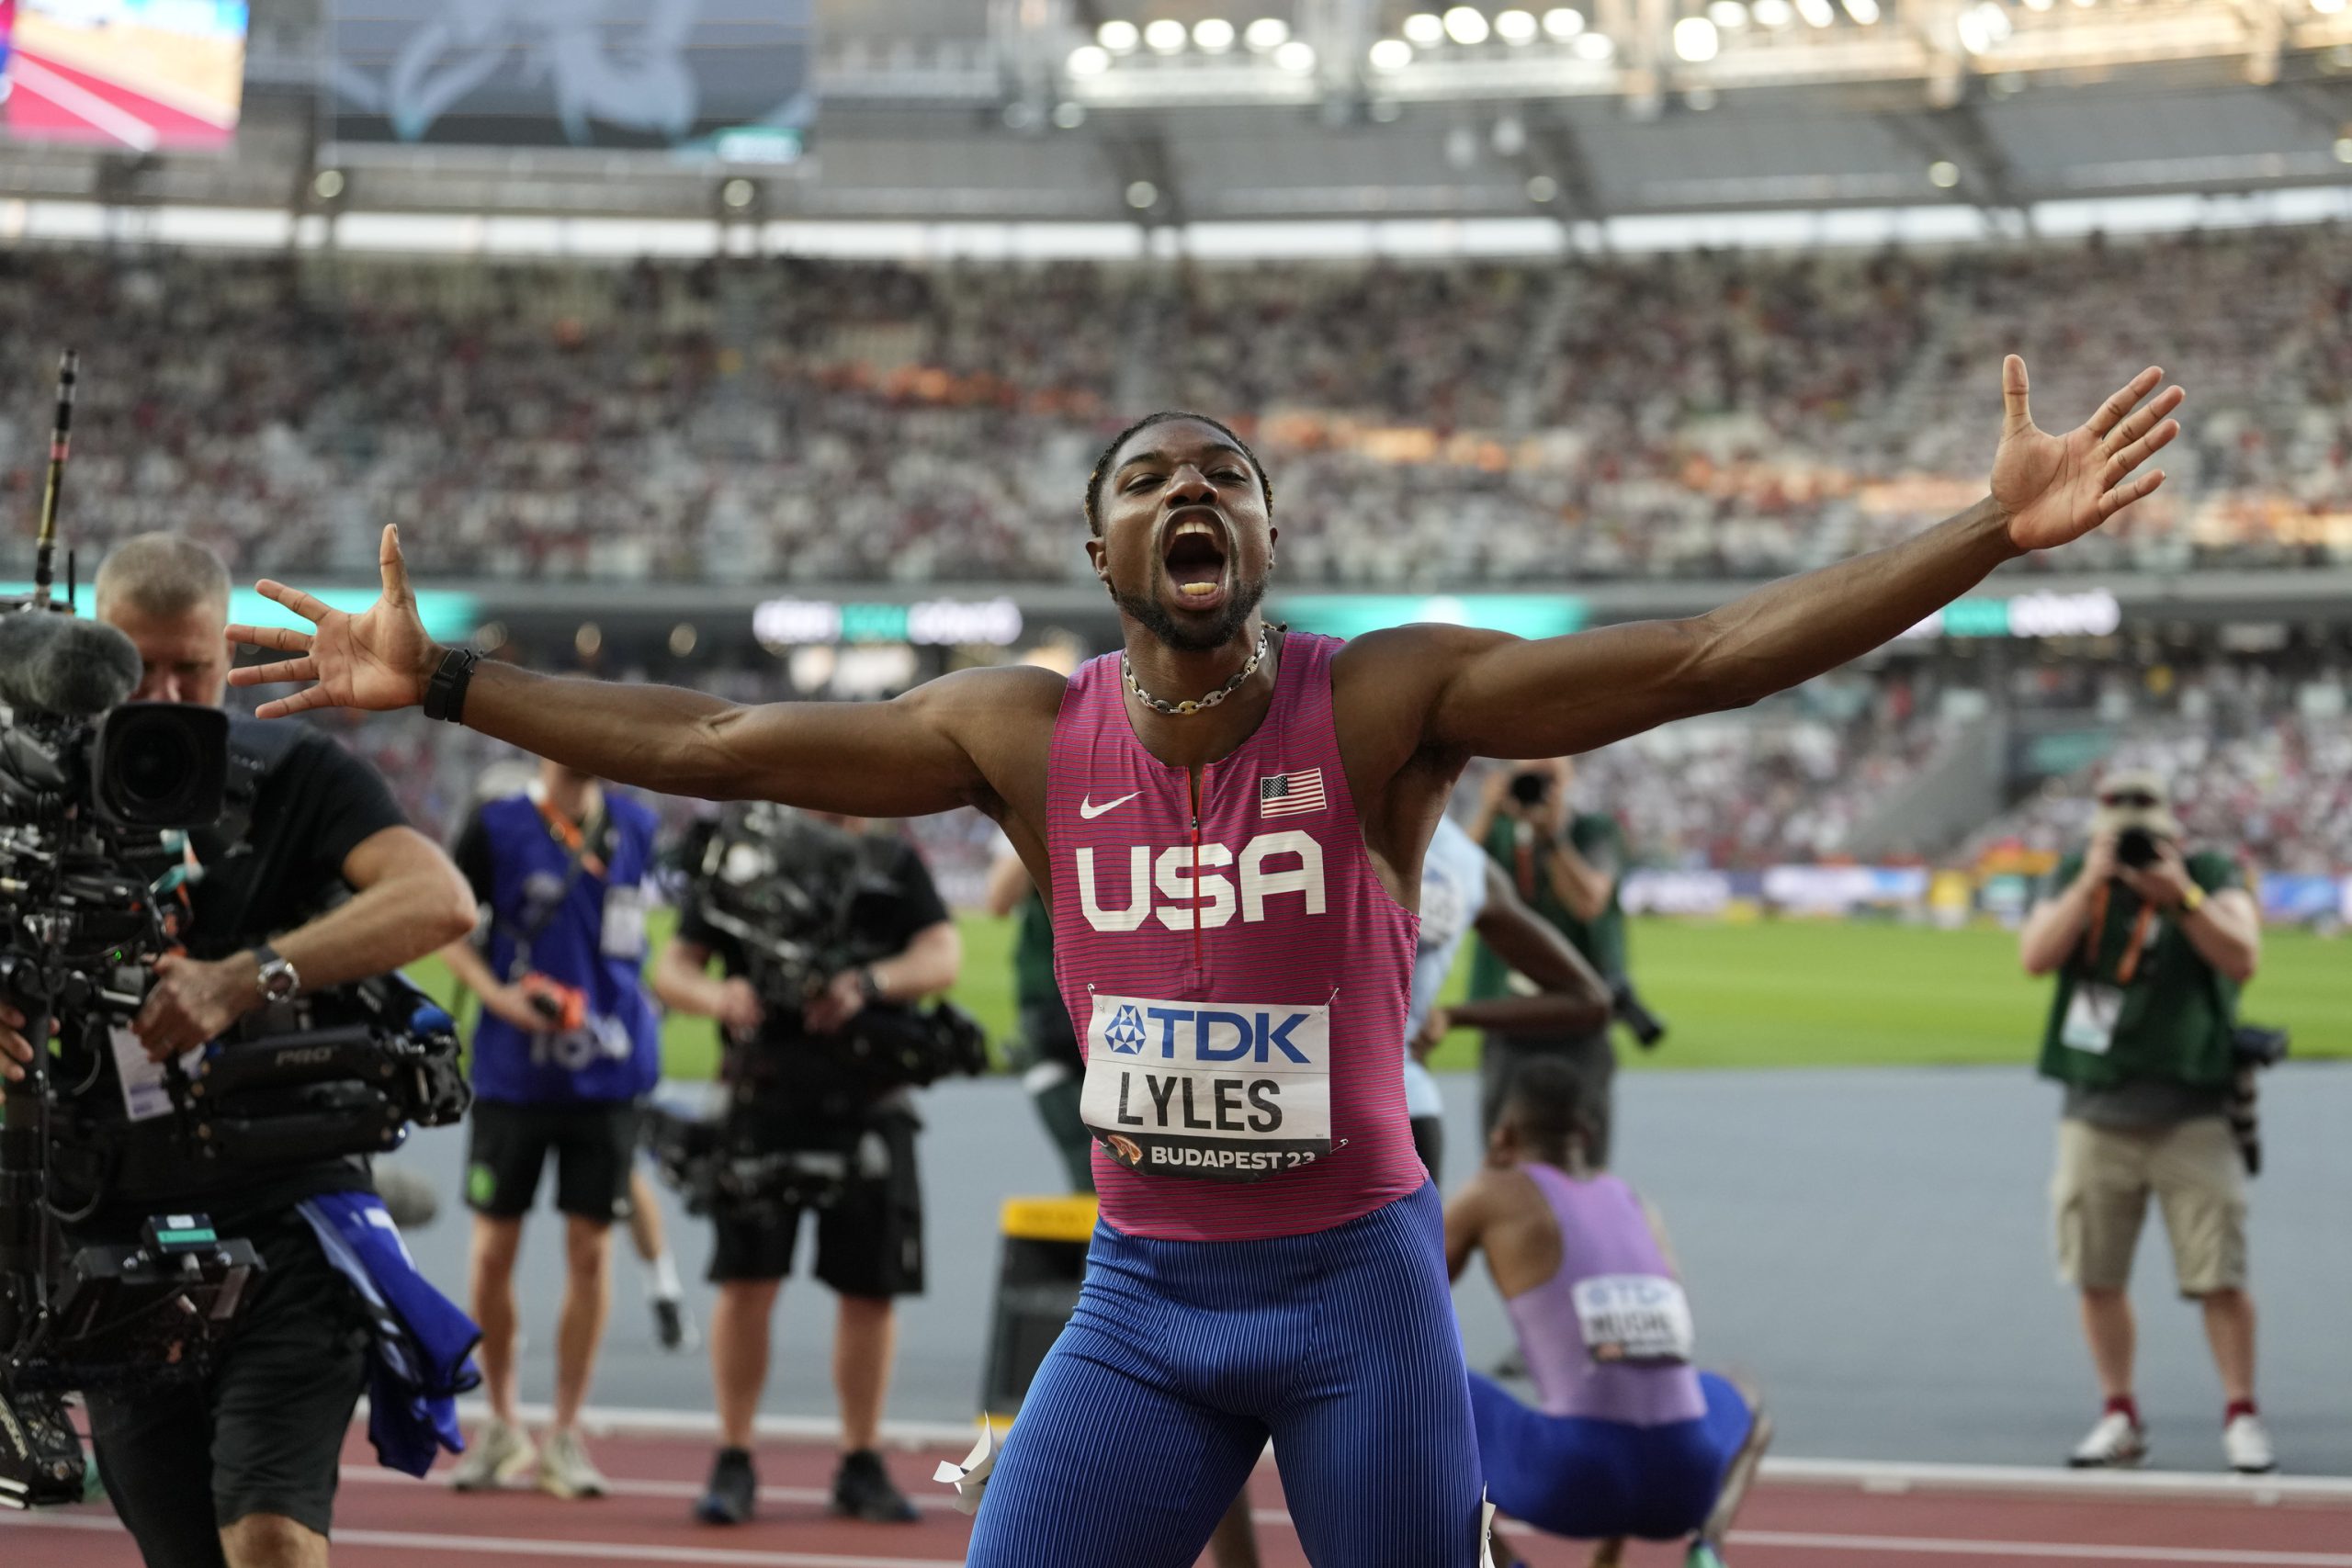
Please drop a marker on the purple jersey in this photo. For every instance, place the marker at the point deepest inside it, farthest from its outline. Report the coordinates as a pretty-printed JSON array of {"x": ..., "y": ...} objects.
[
  {"x": 1237, "y": 974},
  {"x": 1609, "y": 1335}
]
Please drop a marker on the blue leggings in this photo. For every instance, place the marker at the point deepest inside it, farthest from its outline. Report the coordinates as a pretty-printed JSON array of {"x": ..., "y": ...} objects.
[
  {"x": 1184, "y": 1356},
  {"x": 1589, "y": 1479}
]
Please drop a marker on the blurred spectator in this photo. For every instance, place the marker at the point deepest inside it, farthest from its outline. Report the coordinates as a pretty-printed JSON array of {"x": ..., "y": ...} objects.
[{"x": 1697, "y": 416}]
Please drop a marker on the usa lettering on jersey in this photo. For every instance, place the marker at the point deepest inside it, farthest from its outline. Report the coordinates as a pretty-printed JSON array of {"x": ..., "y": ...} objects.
[
  {"x": 1207, "y": 883},
  {"x": 1227, "y": 1091}
]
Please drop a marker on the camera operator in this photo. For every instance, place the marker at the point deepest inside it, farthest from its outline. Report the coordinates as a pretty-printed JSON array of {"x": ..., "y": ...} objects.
[
  {"x": 2150, "y": 945},
  {"x": 566, "y": 1047},
  {"x": 784, "y": 1097},
  {"x": 1565, "y": 865},
  {"x": 240, "y": 1467}
]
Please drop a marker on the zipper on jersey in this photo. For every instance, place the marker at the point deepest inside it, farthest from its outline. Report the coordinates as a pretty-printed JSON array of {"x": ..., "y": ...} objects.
[{"x": 1195, "y": 786}]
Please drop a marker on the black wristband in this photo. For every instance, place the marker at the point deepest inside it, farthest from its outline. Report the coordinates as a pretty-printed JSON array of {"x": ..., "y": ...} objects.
[{"x": 444, "y": 695}]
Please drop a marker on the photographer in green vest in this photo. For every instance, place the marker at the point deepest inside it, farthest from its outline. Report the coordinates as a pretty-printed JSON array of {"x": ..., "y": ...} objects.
[{"x": 2150, "y": 943}]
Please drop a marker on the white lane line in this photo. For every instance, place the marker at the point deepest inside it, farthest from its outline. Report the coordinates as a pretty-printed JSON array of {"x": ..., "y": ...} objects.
[
  {"x": 1875, "y": 1476},
  {"x": 686, "y": 1491},
  {"x": 719, "y": 1557},
  {"x": 498, "y": 1546},
  {"x": 1935, "y": 1546},
  {"x": 74, "y": 98},
  {"x": 1883, "y": 1475}
]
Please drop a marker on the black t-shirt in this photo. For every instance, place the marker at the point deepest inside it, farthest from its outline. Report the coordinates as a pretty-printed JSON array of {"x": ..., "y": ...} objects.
[
  {"x": 316, "y": 802},
  {"x": 886, "y": 927},
  {"x": 312, "y": 805}
]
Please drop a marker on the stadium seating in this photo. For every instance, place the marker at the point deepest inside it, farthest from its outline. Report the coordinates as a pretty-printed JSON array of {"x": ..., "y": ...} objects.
[{"x": 1697, "y": 416}]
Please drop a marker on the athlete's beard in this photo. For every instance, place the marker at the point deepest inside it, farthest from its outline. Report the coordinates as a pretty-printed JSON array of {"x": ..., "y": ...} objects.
[{"x": 1196, "y": 638}]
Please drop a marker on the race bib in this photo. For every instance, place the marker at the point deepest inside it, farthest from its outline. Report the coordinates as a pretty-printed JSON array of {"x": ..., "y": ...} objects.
[
  {"x": 1224, "y": 1091},
  {"x": 2090, "y": 1019},
  {"x": 1634, "y": 1319},
  {"x": 623, "y": 922}
]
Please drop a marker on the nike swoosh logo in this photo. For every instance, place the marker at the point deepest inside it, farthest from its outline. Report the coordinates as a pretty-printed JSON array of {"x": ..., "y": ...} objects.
[{"x": 1090, "y": 811}]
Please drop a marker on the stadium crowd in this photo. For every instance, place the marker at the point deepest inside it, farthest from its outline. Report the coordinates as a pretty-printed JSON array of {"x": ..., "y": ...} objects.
[
  {"x": 1699, "y": 416},
  {"x": 2256, "y": 761}
]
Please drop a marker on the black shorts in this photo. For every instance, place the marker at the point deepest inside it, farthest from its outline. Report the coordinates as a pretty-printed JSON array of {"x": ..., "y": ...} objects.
[
  {"x": 275, "y": 1406},
  {"x": 592, "y": 1146},
  {"x": 1429, "y": 1141},
  {"x": 869, "y": 1241}
]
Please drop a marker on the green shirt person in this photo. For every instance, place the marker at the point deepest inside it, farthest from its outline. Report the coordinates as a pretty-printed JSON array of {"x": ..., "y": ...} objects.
[
  {"x": 2150, "y": 943},
  {"x": 1045, "y": 1048},
  {"x": 1565, "y": 865}
]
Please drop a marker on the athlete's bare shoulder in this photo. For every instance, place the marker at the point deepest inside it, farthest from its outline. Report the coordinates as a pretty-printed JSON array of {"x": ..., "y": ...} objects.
[
  {"x": 1385, "y": 683},
  {"x": 1002, "y": 717},
  {"x": 1000, "y": 691}
]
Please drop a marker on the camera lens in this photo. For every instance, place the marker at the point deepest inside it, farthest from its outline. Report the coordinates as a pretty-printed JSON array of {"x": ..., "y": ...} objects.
[
  {"x": 1530, "y": 788},
  {"x": 160, "y": 764},
  {"x": 152, "y": 766}
]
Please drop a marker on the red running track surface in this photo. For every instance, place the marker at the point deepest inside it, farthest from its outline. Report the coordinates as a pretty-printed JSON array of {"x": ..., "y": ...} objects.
[{"x": 385, "y": 1521}]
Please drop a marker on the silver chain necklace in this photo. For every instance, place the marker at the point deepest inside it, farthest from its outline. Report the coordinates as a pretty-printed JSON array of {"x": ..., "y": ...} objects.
[{"x": 1178, "y": 710}]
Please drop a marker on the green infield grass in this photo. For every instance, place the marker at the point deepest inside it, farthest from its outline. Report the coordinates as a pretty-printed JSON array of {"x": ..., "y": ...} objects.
[{"x": 1760, "y": 994}]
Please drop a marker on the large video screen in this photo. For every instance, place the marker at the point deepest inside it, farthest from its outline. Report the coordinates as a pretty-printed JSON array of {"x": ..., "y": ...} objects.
[
  {"x": 135, "y": 75},
  {"x": 728, "y": 78}
]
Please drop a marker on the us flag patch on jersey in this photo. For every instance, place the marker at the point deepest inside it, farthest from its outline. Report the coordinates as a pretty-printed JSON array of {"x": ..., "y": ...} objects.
[{"x": 1290, "y": 795}]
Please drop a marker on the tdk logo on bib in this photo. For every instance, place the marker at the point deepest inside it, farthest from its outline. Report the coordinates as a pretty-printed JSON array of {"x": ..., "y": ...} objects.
[
  {"x": 1232, "y": 1091},
  {"x": 1125, "y": 1033}
]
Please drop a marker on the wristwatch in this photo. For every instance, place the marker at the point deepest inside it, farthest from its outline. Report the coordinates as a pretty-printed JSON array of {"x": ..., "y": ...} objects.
[
  {"x": 274, "y": 976},
  {"x": 2192, "y": 900},
  {"x": 867, "y": 985}
]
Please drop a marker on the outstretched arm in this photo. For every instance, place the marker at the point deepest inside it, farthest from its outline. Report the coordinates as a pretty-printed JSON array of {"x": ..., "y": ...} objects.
[
  {"x": 903, "y": 758},
  {"x": 1499, "y": 696}
]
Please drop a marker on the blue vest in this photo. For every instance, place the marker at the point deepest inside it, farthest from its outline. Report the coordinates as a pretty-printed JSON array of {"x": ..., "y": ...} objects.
[{"x": 617, "y": 1055}]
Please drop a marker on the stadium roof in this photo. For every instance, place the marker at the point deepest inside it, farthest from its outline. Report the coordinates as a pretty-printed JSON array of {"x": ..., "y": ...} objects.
[{"x": 1016, "y": 111}]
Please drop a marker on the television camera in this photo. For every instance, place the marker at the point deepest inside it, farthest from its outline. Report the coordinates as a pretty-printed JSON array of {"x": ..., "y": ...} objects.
[
  {"x": 97, "y": 796},
  {"x": 798, "y": 897}
]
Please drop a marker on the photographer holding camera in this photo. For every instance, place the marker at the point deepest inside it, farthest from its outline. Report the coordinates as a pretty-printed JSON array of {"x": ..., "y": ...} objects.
[
  {"x": 566, "y": 1048},
  {"x": 239, "y": 1467},
  {"x": 2150, "y": 943},
  {"x": 1565, "y": 865},
  {"x": 825, "y": 933}
]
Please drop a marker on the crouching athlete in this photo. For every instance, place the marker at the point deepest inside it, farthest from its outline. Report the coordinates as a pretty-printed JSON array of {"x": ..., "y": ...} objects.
[
  {"x": 1631, "y": 1441},
  {"x": 1229, "y": 822}
]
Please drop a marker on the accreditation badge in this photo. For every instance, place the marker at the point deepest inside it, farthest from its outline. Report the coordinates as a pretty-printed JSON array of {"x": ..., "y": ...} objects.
[
  {"x": 2091, "y": 1016},
  {"x": 1222, "y": 1092},
  {"x": 624, "y": 926}
]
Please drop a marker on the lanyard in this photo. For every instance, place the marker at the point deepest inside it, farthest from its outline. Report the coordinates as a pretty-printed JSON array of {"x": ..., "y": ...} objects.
[
  {"x": 2128, "y": 964},
  {"x": 573, "y": 837}
]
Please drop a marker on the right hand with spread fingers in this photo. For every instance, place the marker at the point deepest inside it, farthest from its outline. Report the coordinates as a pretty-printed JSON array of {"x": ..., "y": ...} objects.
[{"x": 376, "y": 660}]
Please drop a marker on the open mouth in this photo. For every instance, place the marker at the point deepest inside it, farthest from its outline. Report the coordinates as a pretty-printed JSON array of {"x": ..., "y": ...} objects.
[{"x": 1194, "y": 555}]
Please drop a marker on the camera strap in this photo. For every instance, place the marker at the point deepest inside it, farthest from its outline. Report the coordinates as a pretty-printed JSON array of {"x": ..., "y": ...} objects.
[
  {"x": 2128, "y": 964},
  {"x": 585, "y": 846}
]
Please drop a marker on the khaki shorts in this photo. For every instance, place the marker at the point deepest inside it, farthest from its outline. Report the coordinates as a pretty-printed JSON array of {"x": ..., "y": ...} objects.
[{"x": 2100, "y": 1198}]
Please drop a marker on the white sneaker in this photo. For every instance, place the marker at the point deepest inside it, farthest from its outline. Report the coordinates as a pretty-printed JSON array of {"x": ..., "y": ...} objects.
[
  {"x": 2118, "y": 1442},
  {"x": 566, "y": 1471},
  {"x": 2248, "y": 1447},
  {"x": 499, "y": 1456}
]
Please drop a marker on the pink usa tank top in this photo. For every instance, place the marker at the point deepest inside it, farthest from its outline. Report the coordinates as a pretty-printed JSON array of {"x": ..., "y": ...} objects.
[
  {"x": 1609, "y": 1336},
  {"x": 1237, "y": 974}
]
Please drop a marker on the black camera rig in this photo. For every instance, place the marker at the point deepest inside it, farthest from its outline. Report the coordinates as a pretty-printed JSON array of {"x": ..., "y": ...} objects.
[
  {"x": 96, "y": 794},
  {"x": 800, "y": 900}
]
